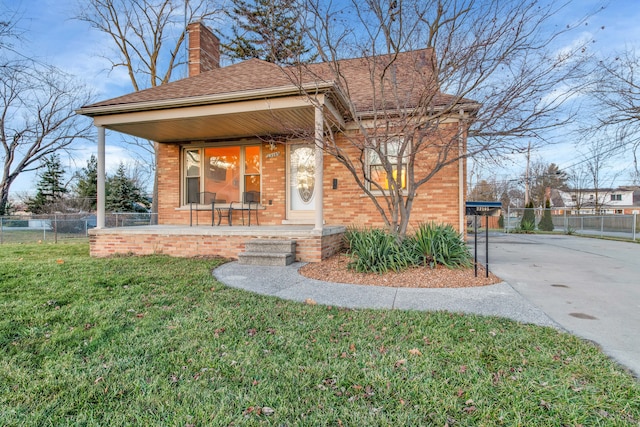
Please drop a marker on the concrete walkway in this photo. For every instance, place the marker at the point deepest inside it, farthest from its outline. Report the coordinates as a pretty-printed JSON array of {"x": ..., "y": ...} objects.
[
  {"x": 567, "y": 282},
  {"x": 285, "y": 282}
]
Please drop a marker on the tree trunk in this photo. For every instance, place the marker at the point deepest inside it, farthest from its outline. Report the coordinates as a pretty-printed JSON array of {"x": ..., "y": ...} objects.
[{"x": 4, "y": 195}]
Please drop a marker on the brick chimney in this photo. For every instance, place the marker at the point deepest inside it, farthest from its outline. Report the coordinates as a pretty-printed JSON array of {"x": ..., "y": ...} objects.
[{"x": 204, "y": 49}]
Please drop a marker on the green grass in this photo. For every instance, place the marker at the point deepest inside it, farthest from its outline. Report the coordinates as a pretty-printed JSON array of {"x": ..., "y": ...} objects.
[{"x": 157, "y": 341}]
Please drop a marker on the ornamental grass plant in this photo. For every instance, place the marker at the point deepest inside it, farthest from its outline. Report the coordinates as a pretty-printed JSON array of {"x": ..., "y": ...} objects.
[{"x": 374, "y": 250}]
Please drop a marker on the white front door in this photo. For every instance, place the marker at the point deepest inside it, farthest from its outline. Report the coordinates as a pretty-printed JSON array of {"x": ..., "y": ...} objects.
[{"x": 301, "y": 184}]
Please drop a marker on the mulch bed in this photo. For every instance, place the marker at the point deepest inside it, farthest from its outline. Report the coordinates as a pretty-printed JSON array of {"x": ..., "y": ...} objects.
[{"x": 334, "y": 269}]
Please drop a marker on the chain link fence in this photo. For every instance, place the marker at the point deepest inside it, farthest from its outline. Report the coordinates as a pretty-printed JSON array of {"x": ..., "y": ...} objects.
[
  {"x": 610, "y": 225},
  {"x": 55, "y": 227}
]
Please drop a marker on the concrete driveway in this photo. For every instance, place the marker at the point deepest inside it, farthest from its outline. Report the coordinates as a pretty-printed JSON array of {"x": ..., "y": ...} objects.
[{"x": 590, "y": 287}]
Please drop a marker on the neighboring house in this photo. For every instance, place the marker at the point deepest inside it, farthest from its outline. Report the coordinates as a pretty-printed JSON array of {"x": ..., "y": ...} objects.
[
  {"x": 236, "y": 129},
  {"x": 603, "y": 201}
]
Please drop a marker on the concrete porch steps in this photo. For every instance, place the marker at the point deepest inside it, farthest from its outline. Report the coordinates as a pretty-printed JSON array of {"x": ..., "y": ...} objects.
[{"x": 268, "y": 252}]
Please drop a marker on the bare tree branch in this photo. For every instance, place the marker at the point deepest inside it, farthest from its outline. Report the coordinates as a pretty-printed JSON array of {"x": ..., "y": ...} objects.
[
  {"x": 37, "y": 118},
  {"x": 616, "y": 92},
  {"x": 147, "y": 37},
  {"x": 441, "y": 72}
]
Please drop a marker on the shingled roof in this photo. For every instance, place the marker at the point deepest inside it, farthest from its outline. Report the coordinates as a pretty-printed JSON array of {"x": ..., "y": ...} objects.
[{"x": 359, "y": 80}]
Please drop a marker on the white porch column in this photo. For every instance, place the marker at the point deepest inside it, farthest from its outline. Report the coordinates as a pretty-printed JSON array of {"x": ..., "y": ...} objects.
[
  {"x": 319, "y": 178},
  {"x": 101, "y": 179}
]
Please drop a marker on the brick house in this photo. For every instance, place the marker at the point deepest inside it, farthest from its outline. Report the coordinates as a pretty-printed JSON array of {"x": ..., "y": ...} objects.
[{"x": 258, "y": 128}]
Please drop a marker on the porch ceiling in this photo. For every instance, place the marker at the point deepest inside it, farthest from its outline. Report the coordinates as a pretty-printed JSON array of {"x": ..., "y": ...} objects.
[
  {"x": 204, "y": 118},
  {"x": 273, "y": 116},
  {"x": 218, "y": 126}
]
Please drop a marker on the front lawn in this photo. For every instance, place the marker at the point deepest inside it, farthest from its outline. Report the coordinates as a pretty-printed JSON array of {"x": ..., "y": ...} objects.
[{"x": 157, "y": 341}]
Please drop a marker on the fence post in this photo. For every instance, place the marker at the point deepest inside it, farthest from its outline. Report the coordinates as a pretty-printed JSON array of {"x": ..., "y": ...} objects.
[
  {"x": 506, "y": 223},
  {"x": 55, "y": 228},
  {"x": 602, "y": 226},
  {"x": 1, "y": 229},
  {"x": 633, "y": 226}
]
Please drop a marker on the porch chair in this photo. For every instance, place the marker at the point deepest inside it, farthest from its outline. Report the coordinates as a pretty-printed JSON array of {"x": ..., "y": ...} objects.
[
  {"x": 250, "y": 200},
  {"x": 203, "y": 201}
]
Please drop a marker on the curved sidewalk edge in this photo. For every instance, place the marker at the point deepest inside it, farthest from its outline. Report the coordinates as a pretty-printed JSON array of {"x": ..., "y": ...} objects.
[{"x": 287, "y": 283}]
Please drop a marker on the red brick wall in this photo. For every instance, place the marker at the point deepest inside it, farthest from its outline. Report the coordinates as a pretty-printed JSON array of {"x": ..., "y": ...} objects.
[
  {"x": 109, "y": 242},
  {"x": 168, "y": 169},
  {"x": 438, "y": 200},
  {"x": 274, "y": 184},
  {"x": 204, "y": 49}
]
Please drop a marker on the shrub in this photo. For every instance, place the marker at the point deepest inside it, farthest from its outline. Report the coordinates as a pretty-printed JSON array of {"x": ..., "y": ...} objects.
[
  {"x": 529, "y": 217},
  {"x": 439, "y": 244},
  {"x": 378, "y": 251},
  {"x": 375, "y": 251},
  {"x": 526, "y": 227}
]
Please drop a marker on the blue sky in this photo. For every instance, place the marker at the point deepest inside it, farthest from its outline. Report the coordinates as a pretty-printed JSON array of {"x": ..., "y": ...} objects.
[{"x": 53, "y": 37}]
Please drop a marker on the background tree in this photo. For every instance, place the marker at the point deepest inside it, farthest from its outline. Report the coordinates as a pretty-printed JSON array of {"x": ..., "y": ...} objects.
[
  {"x": 579, "y": 184},
  {"x": 484, "y": 191},
  {"x": 50, "y": 189},
  {"x": 147, "y": 37},
  {"x": 504, "y": 54},
  {"x": 616, "y": 92},
  {"x": 86, "y": 187},
  {"x": 37, "y": 118},
  {"x": 595, "y": 173},
  {"x": 270, "y": 30},
  {"x": 543, "y": 176},
  {"x": 546, "y": 223},
  {"x": 123, "y": 195},
  {"x": 512, "y": 196},
  {"x": 36, "y": 108},
  {"x": 9, "y": 31}
]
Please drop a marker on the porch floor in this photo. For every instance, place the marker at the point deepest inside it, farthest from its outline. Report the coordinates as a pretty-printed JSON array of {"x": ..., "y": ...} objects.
[{"x": 225, "y": 230}]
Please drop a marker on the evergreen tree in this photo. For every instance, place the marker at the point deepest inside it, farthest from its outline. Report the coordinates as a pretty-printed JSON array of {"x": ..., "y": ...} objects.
[
  {"x": 266, "y": 29},
  {"x": 51, "y": 190},
  {"x": 546, "y": 223},
  {"x": 123, "y": 195},
  {"x": 528, "y": 222},
  {"x": 86, "y": 189}
]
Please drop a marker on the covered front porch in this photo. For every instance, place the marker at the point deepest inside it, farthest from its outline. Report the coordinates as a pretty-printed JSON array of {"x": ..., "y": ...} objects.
[
  {"x": 223, "y": 145},
  {"x": 312, "y": 245}
]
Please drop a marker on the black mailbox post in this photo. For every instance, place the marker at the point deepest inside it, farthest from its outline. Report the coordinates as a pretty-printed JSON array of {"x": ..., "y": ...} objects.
[{"x": 485, "y": 209}]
